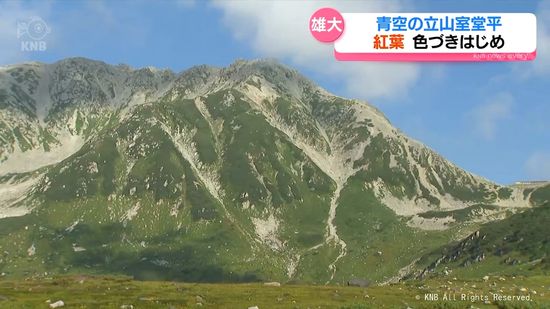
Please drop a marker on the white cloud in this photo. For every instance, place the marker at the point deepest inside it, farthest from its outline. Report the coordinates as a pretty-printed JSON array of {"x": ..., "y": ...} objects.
[
  {"x": 537, "y": 166},
  {"x": 187, "y": 3},
  {"x": 10, "y": 13},
  {"x": 487, "y": 117},
  {"x": 541, "y": 65},
  {"x": 280, "y": 29}
]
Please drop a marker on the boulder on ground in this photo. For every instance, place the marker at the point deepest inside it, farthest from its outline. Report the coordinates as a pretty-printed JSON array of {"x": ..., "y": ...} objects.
[
  {"x": 363, "y": 283},
  {"x": 57, "y": 304}
]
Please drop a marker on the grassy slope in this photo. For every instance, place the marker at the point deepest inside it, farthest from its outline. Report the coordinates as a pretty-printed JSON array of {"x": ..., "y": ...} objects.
[
  {"x": 137, "y": 164},
  {"x": 114, "y": 292},
  {"x": 379, "y": 242},
  {"x": 519, "y": 244}
]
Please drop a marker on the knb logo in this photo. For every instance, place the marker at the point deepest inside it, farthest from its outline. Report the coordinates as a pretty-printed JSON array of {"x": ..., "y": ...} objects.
[{"x": 32, "y": 33}]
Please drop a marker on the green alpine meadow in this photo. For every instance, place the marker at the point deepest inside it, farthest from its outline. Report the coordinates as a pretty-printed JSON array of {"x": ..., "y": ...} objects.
[{"x": 232, "y": 177}]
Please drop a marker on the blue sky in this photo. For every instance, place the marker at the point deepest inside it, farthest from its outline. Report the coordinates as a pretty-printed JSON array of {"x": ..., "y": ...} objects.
[{"x": 489, "y": 118}]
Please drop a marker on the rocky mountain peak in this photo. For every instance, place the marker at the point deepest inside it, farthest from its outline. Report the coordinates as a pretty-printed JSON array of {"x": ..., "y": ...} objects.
[{"x": 185, "y": 173}]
